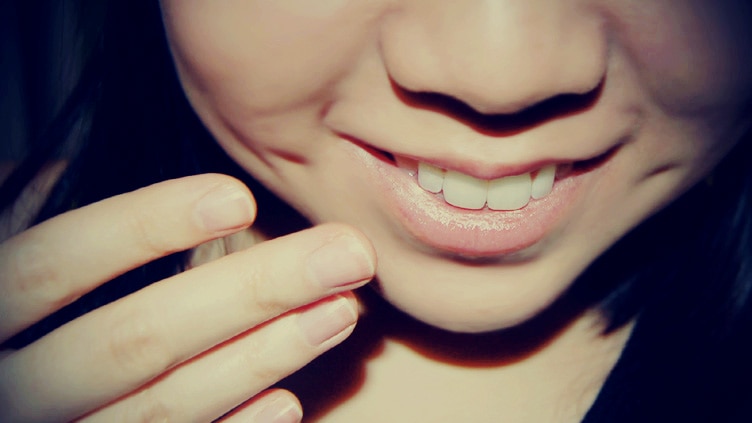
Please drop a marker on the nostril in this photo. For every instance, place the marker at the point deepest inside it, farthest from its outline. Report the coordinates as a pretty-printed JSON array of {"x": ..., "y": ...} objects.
[{"x": 501, "y": 124}]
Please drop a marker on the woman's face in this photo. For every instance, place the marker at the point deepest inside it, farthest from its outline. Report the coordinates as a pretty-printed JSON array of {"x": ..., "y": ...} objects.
[{"x": 492, "y": 149}]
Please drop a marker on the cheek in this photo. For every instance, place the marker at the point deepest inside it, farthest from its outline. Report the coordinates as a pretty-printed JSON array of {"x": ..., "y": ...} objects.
[
  {"x": 259, "y": 73},
  {"x": 311, "y": 9},
  {"x": 693, "y": 55},
  {"x": 261, "y": 56}
]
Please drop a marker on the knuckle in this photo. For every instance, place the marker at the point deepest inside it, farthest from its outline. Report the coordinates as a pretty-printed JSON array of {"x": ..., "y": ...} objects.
[
  {"x": 257, "y": 287},
  {"x": 35, "y": 274},
  {"x": 263, "y": 363},
  {"x": 138, "y": 350},
  {"x": 150, "y": 408},
  {"x": 266, "y": 375},
  {"x": 252, "y": 354},
  {"x": 141, "y": 227},
  {"x": 271, "y": 352}
]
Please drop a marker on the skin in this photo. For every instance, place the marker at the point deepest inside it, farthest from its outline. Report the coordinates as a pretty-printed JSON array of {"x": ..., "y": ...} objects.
[
  {"x": 121, "y": 362},
  {"x": 286, "y": 87},
  {"x": 294, "y": 91}
]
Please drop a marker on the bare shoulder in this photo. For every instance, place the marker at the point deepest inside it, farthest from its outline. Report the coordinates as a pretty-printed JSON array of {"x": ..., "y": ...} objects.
[{"x": 18, "y": 217}]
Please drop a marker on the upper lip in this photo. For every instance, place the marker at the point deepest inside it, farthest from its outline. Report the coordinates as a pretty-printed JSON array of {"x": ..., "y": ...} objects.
[
  {"x": 498, "y": 123},
  {"x": 403, "y": 132},
  {"x": 482, "y": 167}
]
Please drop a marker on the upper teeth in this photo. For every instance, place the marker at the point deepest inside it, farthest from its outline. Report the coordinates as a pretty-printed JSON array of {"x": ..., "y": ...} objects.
[{"x": 468, "y": 192}]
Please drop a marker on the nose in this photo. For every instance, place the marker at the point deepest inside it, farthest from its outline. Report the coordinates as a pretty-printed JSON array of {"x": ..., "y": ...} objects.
[{"x": 496, "y": 56}]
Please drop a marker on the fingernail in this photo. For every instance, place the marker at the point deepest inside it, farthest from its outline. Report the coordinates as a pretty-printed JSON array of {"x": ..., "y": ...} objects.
[
  {"x": 322, "y": 322},
  {"x": 341, "y": 261},
  {"x": 225, "y": 207},
  {"x": 280, "y": 411}
]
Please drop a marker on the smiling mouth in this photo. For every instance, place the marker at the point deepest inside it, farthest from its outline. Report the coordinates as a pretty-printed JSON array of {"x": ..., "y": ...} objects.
[
  {"x": 452, "y": 212},
  {"x": 468, "y": 192},
  {"x": 506, "y": 193}
]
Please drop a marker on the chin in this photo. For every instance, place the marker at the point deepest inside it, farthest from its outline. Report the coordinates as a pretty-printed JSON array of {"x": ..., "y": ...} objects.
[{"x": 474, "y": 296}]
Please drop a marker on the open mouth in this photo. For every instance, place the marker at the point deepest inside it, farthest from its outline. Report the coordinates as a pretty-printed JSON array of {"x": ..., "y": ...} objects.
[
  {"x": 468, "y": 192},
  {"x": 467, "y": 216},
  {"x": 506, "y": 193}
]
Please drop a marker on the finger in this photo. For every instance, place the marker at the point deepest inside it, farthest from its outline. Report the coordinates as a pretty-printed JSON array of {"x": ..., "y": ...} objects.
[
  {"x": 50, "y": 265},
  {"x": 275, "y": 406},
  {"x": 118, "y": 348},
  {"x": 206, "y": 388}
]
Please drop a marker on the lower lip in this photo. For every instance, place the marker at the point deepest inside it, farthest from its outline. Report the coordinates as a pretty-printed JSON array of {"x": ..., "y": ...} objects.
[{"x": 470, "y": 233}]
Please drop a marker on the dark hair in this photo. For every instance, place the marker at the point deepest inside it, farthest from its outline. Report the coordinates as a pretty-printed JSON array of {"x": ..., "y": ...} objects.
[
  {"x": 126, "y": 125},
  {"x": 686, "y": 272}
]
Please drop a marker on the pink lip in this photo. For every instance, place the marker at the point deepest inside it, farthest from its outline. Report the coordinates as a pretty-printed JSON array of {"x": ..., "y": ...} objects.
[
  {"x": 469, "y": 233},
  {"x": 480, "y": 171},
  {"x": 480, "y": 168}
]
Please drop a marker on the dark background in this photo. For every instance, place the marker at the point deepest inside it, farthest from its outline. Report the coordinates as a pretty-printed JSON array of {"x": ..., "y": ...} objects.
[{"x": 43, "y": 46}]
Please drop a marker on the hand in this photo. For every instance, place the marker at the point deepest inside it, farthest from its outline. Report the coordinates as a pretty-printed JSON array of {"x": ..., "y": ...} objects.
[{"x": 188, "y": 348}]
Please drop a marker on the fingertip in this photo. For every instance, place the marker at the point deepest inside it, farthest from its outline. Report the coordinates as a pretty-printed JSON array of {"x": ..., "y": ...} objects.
[
  {"x": 273, "y": 406},
  {"x": 328, "y": 321},
  {"x": 289, "y": 405},
  {"x": 339, "y": 263},
  {"x": 227, "y": 206}
]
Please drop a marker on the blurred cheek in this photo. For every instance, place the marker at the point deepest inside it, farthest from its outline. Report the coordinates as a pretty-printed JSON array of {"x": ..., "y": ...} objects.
[
  {"x": 307, "y": 8},
  {"x": 691, "y": 54},
  {"x": 229, "y": 55}
]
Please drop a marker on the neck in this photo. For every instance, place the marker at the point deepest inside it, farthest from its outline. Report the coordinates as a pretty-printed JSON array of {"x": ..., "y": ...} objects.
[{"x": 549, "y": 369}]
